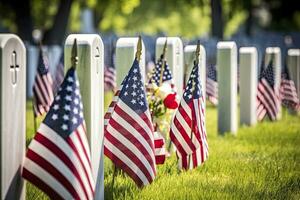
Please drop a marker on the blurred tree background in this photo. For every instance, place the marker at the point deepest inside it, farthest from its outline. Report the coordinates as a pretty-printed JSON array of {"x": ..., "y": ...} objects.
[{"x": 186, "y": 18}]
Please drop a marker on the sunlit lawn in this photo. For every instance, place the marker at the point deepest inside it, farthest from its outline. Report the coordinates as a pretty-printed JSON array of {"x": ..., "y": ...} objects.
[{"x": 261, "y": 162}]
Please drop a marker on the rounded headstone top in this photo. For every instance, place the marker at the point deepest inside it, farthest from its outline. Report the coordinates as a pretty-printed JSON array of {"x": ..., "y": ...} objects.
[
  {"x": 171, "y": 40},
  {"x": 294, "y": 52},
  {"x": 83, "y": 39},
  {"x": 5, "y": 38},
  {"x": 273, "y": 50},
  {"x": 248, "y": 50},
  {"x": 226, "y": 45},
  {"x": 128, "y": 41}
]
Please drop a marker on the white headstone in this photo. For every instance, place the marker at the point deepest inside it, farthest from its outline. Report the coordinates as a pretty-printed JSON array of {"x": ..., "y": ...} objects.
[
  {"x": 12, "y": 116},
  {"x": 189, "y": 57},
  {"x": 293, "y": 64},
  {"x": 174, "y": 58},
  {"x": 90, "y": 73},
  {"x": 276, "y": 52},
  {"x": 227, "y": 81},
  {"x": 31, "y": 63},
  {"x": 248, "y": 85},
  {"x": 125, "y": 54}
]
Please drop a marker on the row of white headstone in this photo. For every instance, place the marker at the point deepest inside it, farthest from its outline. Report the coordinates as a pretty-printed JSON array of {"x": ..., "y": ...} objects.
[{"x": 90, "y": 73}]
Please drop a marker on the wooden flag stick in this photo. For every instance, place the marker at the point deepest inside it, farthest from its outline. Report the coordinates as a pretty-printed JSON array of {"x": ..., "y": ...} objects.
[
  {"x": 74, "y": 55},
  {"x": 139, "y": 49}
]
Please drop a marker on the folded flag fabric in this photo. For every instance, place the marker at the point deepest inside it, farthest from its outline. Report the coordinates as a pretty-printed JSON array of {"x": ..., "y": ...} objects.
[
  {"x": 42, "y": 87},
  {"x": 212, "y": 85},
  {"x": 268, "y": 99},
  {"x": 58, "y": 158},
  {"x": 160, "y": 150},
  {"x": 288, "y": 92},
  {"x": 188, "y": 132},
  {"x": 128, "y": 136}
]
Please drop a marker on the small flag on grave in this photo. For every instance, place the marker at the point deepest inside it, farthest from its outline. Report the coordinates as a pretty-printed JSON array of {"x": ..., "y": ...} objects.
[
  {"x": 58, "y": 158},
  {"x": 42, "y": 87},
  {"x": 268, "y": 100},
  {"x": 288, "y": 92},
  {"x": 188, "y": 132},
  {"x": 212, "y": 85},
  {"x": 128, "y": 137}
]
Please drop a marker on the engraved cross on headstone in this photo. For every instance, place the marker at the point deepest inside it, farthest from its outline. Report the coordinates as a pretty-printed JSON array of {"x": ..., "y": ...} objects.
[{"x": 14, "y": 67}]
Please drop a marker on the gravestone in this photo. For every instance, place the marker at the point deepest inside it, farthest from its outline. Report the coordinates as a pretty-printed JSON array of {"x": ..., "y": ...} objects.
[
  {"x": 293, "y": 64},
  {"x": 32, "y": 54},
  {"x": 13, "y": 115},
  {"x": 227, "y": 81},
  {"x": 277, "y": 64},
  {"x": 125, "y": 54},
  {"x": 90, "y": 74},
  {"x": 189, "y": 57},
  {"x": 248, "y": 85},
  {"x": 174, "y": 58}
]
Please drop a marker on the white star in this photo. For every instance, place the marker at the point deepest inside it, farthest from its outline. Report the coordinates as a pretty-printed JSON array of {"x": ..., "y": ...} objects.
[
  {"x": 75, "y": 110},
  {"x": 135, "y": 70},
  {"x": 133, "y": 101},
  {"x": 77, "y": 83},
  {"x": 55, "y": 107},
  {"x": 126, "y": 86},
  {"x": 54, "y": 117},
  {"x": 67, "y": 107},
  {"x": 69, "y": 88},
  {"x": 66, "y": 117},
  {"x": 68, "y": 98},
  {"x": 57, "y": 98},
  {"x": 76, "y": 101},
  {"x": 134, "y": 78},
  {"x": 125, "y": 93},
  {"x": 70, "y": 79},
  {"x": 141, "y": 103},
  {"x": 77, "y": 92},
  {"x": 134, "y": 86},
  {"x": 81, "y": 106},
  {"x": 81, "y": 114},
  {"x": 133, "y": 93},
  {"x": 64, "y": 127},
  {"x": 141, "y": 95},
  {"x": 190, "y": 96},
  {"x": 74, "y": 120}
]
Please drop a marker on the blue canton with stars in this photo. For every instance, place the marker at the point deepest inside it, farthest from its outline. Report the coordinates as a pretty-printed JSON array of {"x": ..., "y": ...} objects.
[
  {"x": 268, "y": 74},
  {"x": 193, "y": 89},
  {"x": 42, "y": 64},
  {"x": 66, "y": 112},
  {"x": 133, "y": 91},
  {"x": 212, "y": 72},
  {"x": 166, "y": 72}
]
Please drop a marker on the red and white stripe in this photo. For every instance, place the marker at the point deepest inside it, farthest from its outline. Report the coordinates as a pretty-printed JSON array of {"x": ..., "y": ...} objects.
[
  {"x": 267, "y": 96},
  {"x": 61, "y": 167},
  {"x": 42, "y": 93},
  {"x": 129, "y": 143},
  {"x": 288, "y": 94},
  {"x": 111, "y": 108},
  {"x": 188, "y": 131},
  {"x": 160, "y": 150},
  {"x": 212, "y": 91},
  {"x": 109, "y": 78}
]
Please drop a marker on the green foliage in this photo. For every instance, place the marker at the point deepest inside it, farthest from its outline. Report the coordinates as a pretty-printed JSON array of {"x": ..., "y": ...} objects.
[{"x": 261, "y": 162}]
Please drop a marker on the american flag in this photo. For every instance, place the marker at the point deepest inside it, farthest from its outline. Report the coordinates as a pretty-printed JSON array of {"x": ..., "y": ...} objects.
[
  {"x": 188, "y": 132},
  {"x": 59, "y": 74},
  {"x": 160, "y": 150},
  {"x": 162, "y": 75},
  {"x": 58, "y": 158},
  {"x": 42, "y": 87},
  {"x": 109, "y": 78},
  {"x": 212, "y": 84},
  {"x": 288, "y": 92},
  {"x": 128, "y": 137},
  {"x": 268, "y": 101}
]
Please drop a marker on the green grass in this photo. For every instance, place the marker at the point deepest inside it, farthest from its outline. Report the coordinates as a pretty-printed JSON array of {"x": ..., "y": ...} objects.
[{"x": 261, "y": 162}]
